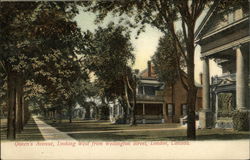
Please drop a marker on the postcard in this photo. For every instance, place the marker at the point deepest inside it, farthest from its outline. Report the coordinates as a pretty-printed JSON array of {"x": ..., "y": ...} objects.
[{"x": 115, "y": 79}]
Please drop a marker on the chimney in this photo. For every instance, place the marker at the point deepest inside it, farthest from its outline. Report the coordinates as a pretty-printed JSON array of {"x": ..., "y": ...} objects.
[
  {"x": 149, "y": 69},
  {"x": 201, "y": 78}
]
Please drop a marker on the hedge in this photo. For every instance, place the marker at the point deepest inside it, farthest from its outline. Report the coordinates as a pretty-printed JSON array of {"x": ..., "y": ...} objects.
[{"x": 241, "y": 120}]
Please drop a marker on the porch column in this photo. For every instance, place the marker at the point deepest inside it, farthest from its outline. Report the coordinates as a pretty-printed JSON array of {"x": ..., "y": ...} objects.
[
  {"x": 205, "y": 81},
  {"x": 206, "y": 116},
  {"x": 143, "y": 90},
  {"x": 241, "y": 78},
  {"x": 163, "y": 112},
  {"x": 143, "y": 113},
  {"x": 216, "y": 105}
]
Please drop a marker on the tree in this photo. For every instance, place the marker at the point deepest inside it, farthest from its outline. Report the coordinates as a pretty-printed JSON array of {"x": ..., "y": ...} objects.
[
  {"x": 166, "y": 64},
  {"x": 9, "y": 45},
  {"x": 163, "y": 15},
  {"x": 27, "y": 39},
  {"x": 111, "y": 55}
]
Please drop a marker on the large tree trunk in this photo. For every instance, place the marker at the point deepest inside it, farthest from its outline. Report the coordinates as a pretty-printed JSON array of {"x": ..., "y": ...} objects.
[
  {"x": 133, "y": 119},
  {"x": 11, "y": 128},
  {"x": 191, "y": 130},
  {"x": 23, "y": 112},
  {"x": 87, "y": 114},
  {"x": 54, "y": 115},
  {"x": 96, "y": 113},
  {"x": 131, "y": 108},
  {"x": 192, "y": 90},
  {"x": 19, "y": 107},
  {"x": 60, "y": 114},
  {"x": 172, "y": 99},
  {"x": 125, "y": 110},
  {"x": 70, "y": 114},
  {"x": 26, "y": 113},
  {"x": 125, "y": 116}
]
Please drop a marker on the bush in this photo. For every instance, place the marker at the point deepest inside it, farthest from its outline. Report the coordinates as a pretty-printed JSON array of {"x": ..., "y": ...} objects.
[
  {"x": 120, "y": 120},
  {"x": 224, "y": 114},
  {"x": 241, "y": 120}
]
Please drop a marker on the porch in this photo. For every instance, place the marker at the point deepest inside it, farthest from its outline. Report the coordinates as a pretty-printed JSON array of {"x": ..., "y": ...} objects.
[{"x": 223, "y": 99}]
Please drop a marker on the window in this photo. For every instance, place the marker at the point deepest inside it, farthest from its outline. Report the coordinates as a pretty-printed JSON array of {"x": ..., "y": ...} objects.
[
  {"x": 231, "y": 17},
  {"x": 140, "y": 90},
  {"x": 149, "y": 90},
  {"x": 171, "y": 109},
  {"x": 184, "y": 109}
]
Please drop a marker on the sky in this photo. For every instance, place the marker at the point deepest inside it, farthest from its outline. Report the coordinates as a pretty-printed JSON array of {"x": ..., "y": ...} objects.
[{"x": 145, "y": 45}]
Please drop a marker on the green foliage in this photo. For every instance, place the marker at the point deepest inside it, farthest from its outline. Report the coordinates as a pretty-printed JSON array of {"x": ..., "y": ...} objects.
[
  {"x": 229, "y": 5},
  {"x": 225, "y": 104},
  {"x": 165, "y": 60},
  {"x": 41, "y": 42},
  {"x": 163, "y": 15},
  {"x": 111, "y": 53},
  {"x": 241, "y": 120}
]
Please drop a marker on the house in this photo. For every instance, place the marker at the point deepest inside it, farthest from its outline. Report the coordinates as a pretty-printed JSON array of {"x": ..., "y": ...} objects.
[
  {"x": 157, "y": 102},
  {"x": 224, "y": 38}
]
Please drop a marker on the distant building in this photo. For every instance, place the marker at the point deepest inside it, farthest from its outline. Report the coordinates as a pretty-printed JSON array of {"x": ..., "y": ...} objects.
[
  {"x": 79, "y": 112},
  {"x": 158, "y": 103},
  {"x": 224, "y": 37}
]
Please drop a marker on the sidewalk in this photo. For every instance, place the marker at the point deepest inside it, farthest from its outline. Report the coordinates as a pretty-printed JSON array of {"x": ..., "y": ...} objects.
[
  {"x": 51, "y": 133},
  {"x": 30, "y": 131}
]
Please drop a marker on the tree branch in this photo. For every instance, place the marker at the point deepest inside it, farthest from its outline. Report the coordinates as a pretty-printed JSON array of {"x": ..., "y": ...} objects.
[
  {"x": 126, "y": 93},
  {"x": 184, "y": 30},
  {"x": 3, "y": 66},
  {"x": 177, "y": 58},
  {"x": 130, "y": 87},
  {"x": 170, "y": 25}
]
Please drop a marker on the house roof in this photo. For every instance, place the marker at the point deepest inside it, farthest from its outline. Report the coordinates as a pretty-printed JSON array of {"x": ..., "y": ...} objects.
[
  {"x": 153, "y": 80},
  {"x": 206, "y": 19}
]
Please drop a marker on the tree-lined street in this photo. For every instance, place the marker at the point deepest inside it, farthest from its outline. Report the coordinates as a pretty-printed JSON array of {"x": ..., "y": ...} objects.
[
  {"x": 91, "y": 130},
  {"x": 50, "y": 67}
]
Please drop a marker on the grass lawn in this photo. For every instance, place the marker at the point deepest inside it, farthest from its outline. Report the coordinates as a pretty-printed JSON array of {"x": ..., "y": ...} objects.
[
  {"x": 104, "y": 130},
  {"x": 30, "y": 132}
]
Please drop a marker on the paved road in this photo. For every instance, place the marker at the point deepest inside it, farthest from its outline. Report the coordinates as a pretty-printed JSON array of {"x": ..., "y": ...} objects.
[{"x": 49, "y": 132}]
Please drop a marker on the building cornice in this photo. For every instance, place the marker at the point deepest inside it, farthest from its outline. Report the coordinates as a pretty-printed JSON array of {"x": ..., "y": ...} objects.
[
  {"x": 223, "y": 28},
  {"x": 206, "y": 19},
  {"x": 226, "y": 46}
]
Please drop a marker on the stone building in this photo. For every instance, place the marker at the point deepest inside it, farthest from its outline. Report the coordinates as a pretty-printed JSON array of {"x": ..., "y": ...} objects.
[
  {"x": 224, "y": 38},
  {"x": 158, "y": 103}
]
